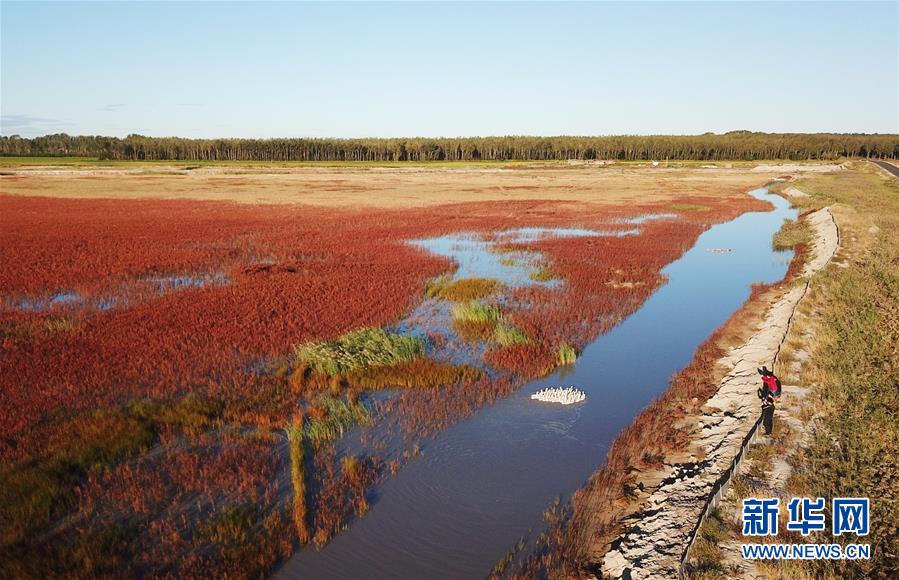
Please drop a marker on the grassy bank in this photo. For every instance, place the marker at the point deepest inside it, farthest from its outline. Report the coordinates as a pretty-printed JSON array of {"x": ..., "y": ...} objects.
[
  {"x": 854, "y": 368},
  {"x": 839, "y": 436}
]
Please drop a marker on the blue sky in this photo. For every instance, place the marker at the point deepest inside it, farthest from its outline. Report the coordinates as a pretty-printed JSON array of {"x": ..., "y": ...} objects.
[{"x": 430, "y": 69}]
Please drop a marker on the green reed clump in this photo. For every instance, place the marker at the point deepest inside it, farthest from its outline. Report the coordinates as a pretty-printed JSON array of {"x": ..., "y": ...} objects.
[
  {"x": 295, "y": 438},
  {"x": 566, "y": 355},
  {"x": 330, "y": 417},
  {"x": 476, "y": 312},
  {"x": 508, "y": 335},
  {"x": 358, "y": 349},
  {"x": 475, "y": 321}
]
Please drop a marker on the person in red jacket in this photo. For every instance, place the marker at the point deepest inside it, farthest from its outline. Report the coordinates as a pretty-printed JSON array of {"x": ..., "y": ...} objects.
[{"x": 770, "y": 389}]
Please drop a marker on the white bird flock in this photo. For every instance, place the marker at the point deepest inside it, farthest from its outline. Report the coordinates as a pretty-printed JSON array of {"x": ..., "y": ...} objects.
[{"x": 561, "y": 395}]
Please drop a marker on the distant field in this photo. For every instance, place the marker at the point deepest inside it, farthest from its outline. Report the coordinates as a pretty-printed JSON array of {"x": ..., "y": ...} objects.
[
  {"x": 379, "y": 186},
  {"x": 10, "y": 161},
  {"x": 15, "y": 161}
]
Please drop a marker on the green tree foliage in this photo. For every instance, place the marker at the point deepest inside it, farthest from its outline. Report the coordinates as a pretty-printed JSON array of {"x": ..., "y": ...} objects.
[{"x": 736, "y": 145}]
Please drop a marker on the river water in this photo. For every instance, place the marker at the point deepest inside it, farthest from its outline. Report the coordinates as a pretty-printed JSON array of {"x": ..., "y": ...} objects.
[{"x": 484, "y": 483}]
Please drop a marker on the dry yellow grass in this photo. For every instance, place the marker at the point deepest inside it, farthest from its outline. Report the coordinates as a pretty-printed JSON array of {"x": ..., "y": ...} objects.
[{"x": 414, "y": 186}]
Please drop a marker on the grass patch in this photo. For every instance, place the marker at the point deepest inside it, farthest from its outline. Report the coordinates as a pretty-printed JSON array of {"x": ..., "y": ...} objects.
[
  {"x": 476, "y": 312},
  {"x": 476, "y": 321},
  {"x": 417, "y": 373},
  {"x": 499, "y": 569},
  {"x": 507, "y": 335},
  {"x": 436, "y": 286},
  {"x": 706, "y": 559},
  {"x": 295, "y": 442},
  {"x": 330, "y": 417},
  {"x": 791, "y": 234},
  {"x": 464, "y": 289},
  {"x": 15, "y": 161},
  {"x": 101, "y": 552},
  {"x": 689, "y": 207},
  {"x": 92, "y": 442},
  {"x": 543, "y": 274},
  {"x": 762, "y": 456},
  {"x": 30, "y": 497},
  {"x": 194, "y": 413},
  {"x": 855, "y": 449},
  {"x": 359, "y": 349},
  {"x": 741, "y": 487},
  {"x": 31, "y": 329},
  {"x": 56, "y": 324},
  {"x": 34, "y": 494},
  {"x": 566, "y": 355},
  {"x": 233, "y": 526}
]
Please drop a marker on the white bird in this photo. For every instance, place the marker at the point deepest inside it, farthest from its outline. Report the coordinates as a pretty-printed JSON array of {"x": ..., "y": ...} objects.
[{"x": 561, "y": 395}]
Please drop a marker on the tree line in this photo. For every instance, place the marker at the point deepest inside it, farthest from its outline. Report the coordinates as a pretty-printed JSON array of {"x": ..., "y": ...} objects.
[{"x": 735, "y": 145}]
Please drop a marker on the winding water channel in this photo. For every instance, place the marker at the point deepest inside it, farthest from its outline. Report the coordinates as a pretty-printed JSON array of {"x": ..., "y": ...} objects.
[{"x": 484, "y": 483}]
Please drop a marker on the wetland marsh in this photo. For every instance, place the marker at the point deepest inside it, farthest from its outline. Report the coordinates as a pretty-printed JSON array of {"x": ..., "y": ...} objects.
[{"x": 397, "y": 347}]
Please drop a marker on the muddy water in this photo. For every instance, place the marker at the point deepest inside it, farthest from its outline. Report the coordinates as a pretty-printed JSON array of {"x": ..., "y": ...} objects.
[{"x": 486, "y": 482}]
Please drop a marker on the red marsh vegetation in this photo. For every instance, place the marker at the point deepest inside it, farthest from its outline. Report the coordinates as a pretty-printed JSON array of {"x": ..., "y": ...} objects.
[{"x": 146, "y": 375}]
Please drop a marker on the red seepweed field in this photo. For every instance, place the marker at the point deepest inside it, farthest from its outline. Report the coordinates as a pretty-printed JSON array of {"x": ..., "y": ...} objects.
[{"x": 147, "y": 372}]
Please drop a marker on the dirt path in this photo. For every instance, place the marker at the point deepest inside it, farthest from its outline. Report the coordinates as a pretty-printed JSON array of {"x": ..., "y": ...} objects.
[{"x": 659, "y": 535}]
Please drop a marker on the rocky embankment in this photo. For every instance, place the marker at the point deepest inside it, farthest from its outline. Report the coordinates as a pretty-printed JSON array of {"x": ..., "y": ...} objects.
[{"x": 658, "y": 535}]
